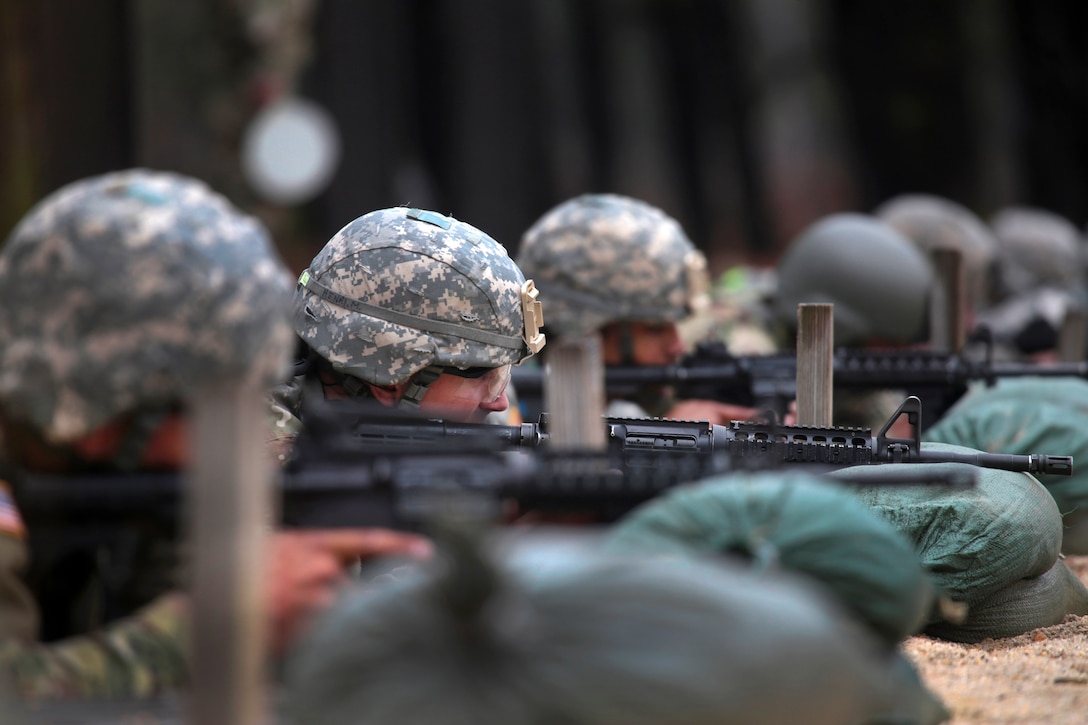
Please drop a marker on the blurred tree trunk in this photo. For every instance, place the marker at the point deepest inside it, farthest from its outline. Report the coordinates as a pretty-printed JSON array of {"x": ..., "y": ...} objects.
[
  {"x": 20, "y": 124},
  {"x": 65, "y": 97},
  {"x": 991, "y": 106},
  {"x": 191, "y": 64},
  {"x": 487, "y": 114},
  {"x": 371, "y": 89},
  {"x": 565, "y": 123},
  {"x": 639, "y": 122},
  {"x": 723, "y": 211},
  {"x": 795, "y": 121}
]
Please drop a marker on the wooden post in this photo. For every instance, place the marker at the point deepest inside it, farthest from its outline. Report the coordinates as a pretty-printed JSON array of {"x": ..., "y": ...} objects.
[
  {"x": 815, "y": 363},
  {"x": 1073, "y": 337},
  {"x": 574, "y": 393},
  {"x": 230, "y": 507},
  {"x": 948, "y": 301}
]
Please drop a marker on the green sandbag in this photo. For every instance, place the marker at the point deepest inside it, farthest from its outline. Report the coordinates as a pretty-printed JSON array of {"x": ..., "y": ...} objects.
[
  {"x": 800, "y": 523},
  {"x": 983, "y": 546},
  {"x": 1030, "y": 415},
  {"x": 1022, "y": 606}
]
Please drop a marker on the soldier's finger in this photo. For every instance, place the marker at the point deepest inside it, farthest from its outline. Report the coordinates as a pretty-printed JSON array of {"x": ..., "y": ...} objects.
[{"x": 350, "y": 543}]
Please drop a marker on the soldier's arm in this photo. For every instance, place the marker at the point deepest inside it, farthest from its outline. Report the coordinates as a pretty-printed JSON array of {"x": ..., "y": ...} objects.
[
  {"x": 132, "y": 658},
  {"x": 147, "y": 652},
  {"x": 282, "y": 421},
  {"x": 18, "y": 611}
]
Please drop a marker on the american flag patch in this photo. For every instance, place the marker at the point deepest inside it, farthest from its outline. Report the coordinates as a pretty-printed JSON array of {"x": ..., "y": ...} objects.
[{"x": 11, "y": 523}]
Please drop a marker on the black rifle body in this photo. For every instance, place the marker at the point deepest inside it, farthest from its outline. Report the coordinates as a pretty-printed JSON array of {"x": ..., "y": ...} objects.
[
  {"x": 400, "y": 472},
  {"x": 770, "y": 381}
]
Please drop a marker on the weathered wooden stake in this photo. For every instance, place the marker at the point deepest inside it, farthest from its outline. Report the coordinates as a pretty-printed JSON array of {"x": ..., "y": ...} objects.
[
  {"x": 230, "y": 499},
  {"x": 574, "y": 393},
  {"x": 815, "y": 363},
  {"x": 948, "y": 301}
]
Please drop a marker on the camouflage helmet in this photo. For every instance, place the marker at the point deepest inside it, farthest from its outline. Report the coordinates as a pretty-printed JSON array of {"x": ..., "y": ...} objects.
[
  {"x": 125, "y": 292},
  {"x": 1036, "y": 248},
  {"x": 399, "y": 290},
  {"x": 877, "y": 279},
  {"x": 933, "y": 222},
  {"x": 600, "y": 258}
]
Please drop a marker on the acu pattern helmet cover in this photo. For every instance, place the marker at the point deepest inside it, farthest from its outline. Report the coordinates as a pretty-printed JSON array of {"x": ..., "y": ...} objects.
[
  {"x": 398, "y": 290},
  {"x": 878, "y": 281},
  {"x": 129, "y": 290},
  {"x": 600, "y": 258}
]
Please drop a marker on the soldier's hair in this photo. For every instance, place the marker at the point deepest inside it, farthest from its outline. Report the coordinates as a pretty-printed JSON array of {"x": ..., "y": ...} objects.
[{"x": 578, "y": 636}]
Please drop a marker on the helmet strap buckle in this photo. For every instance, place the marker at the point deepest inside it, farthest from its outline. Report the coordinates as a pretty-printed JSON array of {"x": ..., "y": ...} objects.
[
  {"x": 533, "y": 313},
  {"x": 417, "y": 386}
]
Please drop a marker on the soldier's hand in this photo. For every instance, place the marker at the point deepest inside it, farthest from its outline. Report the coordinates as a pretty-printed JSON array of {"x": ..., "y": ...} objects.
[
  {"x": 712, "y": 411},
  {"x": 306, "y": 567}
]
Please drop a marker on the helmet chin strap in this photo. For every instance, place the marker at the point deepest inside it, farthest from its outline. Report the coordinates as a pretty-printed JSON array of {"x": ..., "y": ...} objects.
[
  {"x": 414, "y": 390},
  {"x": 141, "y": 427},
  {"x": 627, "y": 343},
  {"x": 417, "y": 387}
]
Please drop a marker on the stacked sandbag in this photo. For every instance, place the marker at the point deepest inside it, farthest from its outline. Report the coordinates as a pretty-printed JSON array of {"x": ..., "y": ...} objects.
[
  {"x": 794, "y": 522},
  {"x": 993, "y": 549},
  {"x": 1031, "y": 415},
  {"x": 554, "y": 636}
]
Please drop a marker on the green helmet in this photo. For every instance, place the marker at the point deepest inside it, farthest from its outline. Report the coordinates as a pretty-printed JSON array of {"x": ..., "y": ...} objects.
[
  {"x": 399, "y": 290},
  {"x": 600, "y": 258},
  {"x": 1036, "y": 248},
  {"x": 125, "y": 292},
  {"x": 878, "y": 281},
  {"x": 933, "y": 222}
]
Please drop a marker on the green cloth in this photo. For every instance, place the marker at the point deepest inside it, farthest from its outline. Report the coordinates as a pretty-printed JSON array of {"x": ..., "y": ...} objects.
[
  {"x": 797, "y": 522},
  {"x": 1029, "y": 415},
  {"x": 986, "y": 547}
]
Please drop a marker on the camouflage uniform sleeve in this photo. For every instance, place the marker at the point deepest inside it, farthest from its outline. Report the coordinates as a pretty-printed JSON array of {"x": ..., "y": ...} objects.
[
  {"x": 132, "y": 658},
  {"x": 18, "y": 611},
  {"x": 283, "y": 421}
]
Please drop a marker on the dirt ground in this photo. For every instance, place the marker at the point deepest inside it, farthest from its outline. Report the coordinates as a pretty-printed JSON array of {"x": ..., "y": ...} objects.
[{"x": 1038, "y": 678}]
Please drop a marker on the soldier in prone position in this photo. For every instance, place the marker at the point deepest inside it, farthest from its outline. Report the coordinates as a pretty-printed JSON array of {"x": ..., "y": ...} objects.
[
  {"x": 618, "y": 266},
  {"x": 414, "y": 310},
  {"x": 120, "y": 294}
]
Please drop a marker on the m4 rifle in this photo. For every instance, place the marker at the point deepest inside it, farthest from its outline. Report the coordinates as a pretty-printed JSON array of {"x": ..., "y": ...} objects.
[{"x": 770, "y": 381}]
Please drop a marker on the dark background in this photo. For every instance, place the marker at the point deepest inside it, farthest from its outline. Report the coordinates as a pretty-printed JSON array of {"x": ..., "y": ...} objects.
[{"x": 744, "y": 119}]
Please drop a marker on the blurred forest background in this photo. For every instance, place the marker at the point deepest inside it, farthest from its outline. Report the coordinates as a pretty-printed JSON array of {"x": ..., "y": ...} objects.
[{"x": 744, "y": 119}]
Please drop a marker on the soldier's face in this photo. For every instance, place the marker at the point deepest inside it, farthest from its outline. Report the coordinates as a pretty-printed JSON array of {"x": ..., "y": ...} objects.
[
  {"x": 466, "y": 400},
  {"x": 650, "y": 343},
  {"x": 166, "y": 448}
]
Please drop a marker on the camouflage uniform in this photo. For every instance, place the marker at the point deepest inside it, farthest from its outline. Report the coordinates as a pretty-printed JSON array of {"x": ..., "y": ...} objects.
[
  {"x": 738, "y": 314},
  {"x": 604, "y": 258},
  {"x": 121, "y": 295},
  {"x": 402, "y": 295}
]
